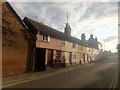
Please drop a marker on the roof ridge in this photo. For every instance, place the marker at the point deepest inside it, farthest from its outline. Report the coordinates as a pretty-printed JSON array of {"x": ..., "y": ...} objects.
[
  {"x": 44, "y": 29},
  {"x": 45, "y": 25}
]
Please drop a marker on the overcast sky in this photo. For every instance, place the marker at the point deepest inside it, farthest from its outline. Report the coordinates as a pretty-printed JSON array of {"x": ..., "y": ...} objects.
[{"x": 97, "y": 18}]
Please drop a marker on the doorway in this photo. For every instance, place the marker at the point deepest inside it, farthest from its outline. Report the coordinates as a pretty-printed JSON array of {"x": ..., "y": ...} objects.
[
  {"x": 40, "y": 59},
  {"x": 50, "y": 58},
  {"x": 70, "y": 58},
  {"x": 84, "y": 58}
]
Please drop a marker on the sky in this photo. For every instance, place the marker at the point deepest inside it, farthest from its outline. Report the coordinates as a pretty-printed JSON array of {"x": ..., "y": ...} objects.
[{"x": 97, "y": 18}]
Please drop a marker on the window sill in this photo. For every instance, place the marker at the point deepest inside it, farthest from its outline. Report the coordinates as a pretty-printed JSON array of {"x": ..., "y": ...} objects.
[{"x": 45, "y": 41}]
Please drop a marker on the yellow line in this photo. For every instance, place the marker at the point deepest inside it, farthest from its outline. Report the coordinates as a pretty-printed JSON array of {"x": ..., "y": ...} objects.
[
  {"x": 11, "y": 81},
  {"x": 116, "y": 81},
  {"x": 4, "y": 86},
  {"x": 112, "y": 82},
  {"x": 36, "y": 78},
  {"x": 33, "y": 78},
  {"x": 111, "y": 85}
]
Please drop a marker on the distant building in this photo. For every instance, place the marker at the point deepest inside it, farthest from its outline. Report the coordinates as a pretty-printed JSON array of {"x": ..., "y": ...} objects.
[
  {"x": 94, "y": 48},
  {"x": 92, "y": 42},
  {"x": 83, "y": 38}
]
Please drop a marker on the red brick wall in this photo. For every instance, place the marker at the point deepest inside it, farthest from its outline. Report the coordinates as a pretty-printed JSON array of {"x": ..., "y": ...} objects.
[
  {"x": 14, "y": 45},
  {"x": 53, "y": 44}
]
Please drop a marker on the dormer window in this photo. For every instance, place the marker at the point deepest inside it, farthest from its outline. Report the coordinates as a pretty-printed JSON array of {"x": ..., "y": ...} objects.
[
  {"x": 46, "y": 38},
  {"x": 74, "y": 45}
]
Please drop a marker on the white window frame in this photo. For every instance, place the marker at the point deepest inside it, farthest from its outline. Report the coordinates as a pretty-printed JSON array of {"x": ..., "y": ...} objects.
[
  {"x": 62, "y": 43},
  {"x": 46, "y": 38}
]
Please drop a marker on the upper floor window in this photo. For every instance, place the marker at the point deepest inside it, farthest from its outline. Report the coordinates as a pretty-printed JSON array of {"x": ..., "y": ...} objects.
[
  {"x": 89, "y": 49},
  {"x": 74, "y": 45},
  {"x": 63, "y": 43},
  {"x": 81, "y": 47},
  {"x": 46, "y": 38},
  {"x": 74, "y": 55}
]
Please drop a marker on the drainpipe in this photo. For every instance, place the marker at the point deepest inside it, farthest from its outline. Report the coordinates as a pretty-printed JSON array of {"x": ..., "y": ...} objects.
[
  {"x": 33, "y": 62},
  {"x": 34, "y": 49}
]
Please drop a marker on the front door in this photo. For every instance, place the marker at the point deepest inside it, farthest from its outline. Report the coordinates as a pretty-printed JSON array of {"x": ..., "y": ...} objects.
[{"x": 50, "y": 58}]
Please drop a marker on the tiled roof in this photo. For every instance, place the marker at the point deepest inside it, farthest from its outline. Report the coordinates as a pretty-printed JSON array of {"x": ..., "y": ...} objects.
[
  {"x": 44, "y": 29},
  {"x": 92, "y": 43}
]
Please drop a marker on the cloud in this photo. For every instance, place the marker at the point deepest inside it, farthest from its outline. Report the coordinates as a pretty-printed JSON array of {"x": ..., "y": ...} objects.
[
  {"x": 64, "y": 0},
  {"x": 98, "y": 18},
  {"x": 111, "y": 38},
  {"x": 98, "y": 10}
]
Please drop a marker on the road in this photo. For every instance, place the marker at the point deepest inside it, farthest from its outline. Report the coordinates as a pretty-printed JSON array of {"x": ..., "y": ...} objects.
[{"x": 101, "y": 74}]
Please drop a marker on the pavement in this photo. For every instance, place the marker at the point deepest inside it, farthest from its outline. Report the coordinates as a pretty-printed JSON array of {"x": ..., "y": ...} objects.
[
  {"x": 30, "y": 76},
  {"x": 99, "y": 74}
]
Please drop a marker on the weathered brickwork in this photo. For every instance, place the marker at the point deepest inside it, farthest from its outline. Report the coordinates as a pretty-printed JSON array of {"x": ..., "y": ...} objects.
[{"x": 15, "y": 43}]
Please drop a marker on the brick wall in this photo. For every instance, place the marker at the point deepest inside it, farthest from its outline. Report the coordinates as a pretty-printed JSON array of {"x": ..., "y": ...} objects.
[
  {"x": 52, "y": 44},
  {"x": 15, "y": 43}
]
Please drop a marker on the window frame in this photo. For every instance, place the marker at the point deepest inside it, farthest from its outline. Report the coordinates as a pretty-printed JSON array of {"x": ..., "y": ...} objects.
[
  {"x": 62, "y": 43},
  {"x": 46, "y": 38},
  {"x": 74, "y": 45}
]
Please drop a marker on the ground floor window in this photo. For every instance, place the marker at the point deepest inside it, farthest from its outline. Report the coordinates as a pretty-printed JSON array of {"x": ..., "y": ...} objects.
[
  {"x": 74, "y": 56},
  {"x": 82, "y": 58},
  {"x": 58, "y": 57}
]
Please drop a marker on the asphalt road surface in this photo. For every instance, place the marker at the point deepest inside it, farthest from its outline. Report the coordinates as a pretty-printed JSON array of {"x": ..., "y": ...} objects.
[{"x": 101, "y": 74}]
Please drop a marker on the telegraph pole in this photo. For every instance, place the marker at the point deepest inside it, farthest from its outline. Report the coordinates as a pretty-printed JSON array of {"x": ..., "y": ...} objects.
[{"x": 104, "y": 45}]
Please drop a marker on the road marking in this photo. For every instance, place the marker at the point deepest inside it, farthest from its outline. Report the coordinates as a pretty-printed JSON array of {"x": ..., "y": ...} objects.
[
  {"x": 114, "y": 81},
  {"x": 92, "y": 64},
  {"x": 35, "y": 78},
  {"x": 71, "y": 68}
]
